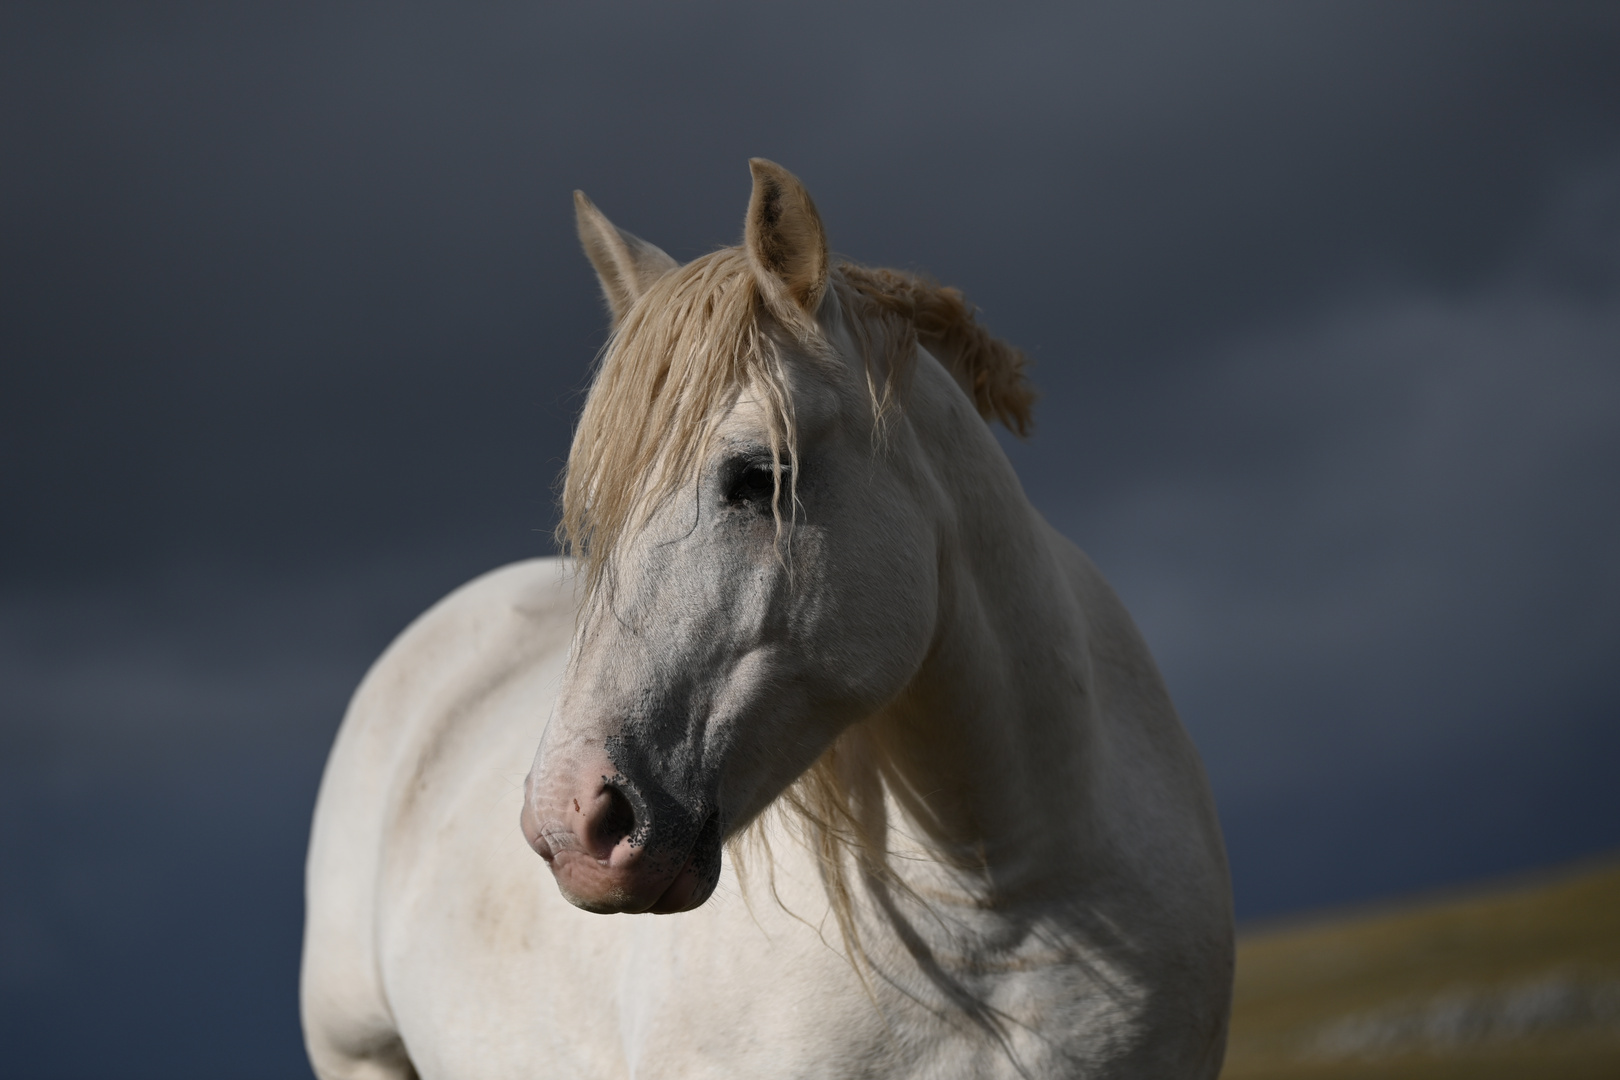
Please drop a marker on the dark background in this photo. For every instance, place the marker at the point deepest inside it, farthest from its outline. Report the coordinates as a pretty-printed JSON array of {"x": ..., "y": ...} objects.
[{"x": 1324, "y": 302}]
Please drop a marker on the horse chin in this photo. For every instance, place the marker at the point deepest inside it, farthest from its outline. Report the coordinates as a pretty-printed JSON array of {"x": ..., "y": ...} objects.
[
  {"x": 695, "y": 881},
  {"x": 690, "y": 889}
]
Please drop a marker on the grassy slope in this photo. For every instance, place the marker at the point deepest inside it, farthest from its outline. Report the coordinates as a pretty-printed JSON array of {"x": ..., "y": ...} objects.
[{"x": 1399, "y": 967}]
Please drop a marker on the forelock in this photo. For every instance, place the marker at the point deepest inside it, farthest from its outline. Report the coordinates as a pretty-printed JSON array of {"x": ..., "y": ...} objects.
[
  {"x": 664, "y": 381},
  {"x": 700, "y": 335}
]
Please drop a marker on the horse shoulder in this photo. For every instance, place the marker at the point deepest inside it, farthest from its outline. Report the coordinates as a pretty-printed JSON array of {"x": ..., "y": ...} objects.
[{"x": 396, "y": 720}]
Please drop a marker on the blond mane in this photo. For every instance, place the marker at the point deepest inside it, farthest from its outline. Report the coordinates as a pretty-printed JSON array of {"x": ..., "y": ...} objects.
[{"x": 669, "y": 373}]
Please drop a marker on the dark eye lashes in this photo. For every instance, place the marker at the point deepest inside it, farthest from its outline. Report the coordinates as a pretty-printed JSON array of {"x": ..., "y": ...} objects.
[{"x": 755, "y": 483}]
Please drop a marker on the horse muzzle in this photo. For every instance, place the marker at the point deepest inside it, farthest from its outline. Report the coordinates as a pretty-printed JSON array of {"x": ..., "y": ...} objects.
[{"x": 616, "y": 846}]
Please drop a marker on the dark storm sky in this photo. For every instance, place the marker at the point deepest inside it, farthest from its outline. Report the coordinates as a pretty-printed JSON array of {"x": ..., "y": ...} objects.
[{"x": 1324, "y": 302}]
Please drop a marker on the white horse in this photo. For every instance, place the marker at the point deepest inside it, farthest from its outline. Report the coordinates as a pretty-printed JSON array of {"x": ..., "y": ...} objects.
[{"x": 820, "y": 687}]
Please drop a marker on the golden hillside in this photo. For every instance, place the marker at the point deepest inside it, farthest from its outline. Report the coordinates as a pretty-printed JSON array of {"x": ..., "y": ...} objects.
[{"x": 1522, "y": 981}]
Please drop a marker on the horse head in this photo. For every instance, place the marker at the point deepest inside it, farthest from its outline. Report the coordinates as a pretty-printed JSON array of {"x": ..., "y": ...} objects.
[{"x": 759, "y": 549}]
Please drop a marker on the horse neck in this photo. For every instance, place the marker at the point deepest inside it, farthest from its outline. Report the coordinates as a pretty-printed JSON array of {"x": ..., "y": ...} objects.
[{"x": 989, "y": 749}]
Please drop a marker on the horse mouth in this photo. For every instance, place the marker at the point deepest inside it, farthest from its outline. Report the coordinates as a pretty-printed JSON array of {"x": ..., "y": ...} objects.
[{"x": 695, "y": 881}]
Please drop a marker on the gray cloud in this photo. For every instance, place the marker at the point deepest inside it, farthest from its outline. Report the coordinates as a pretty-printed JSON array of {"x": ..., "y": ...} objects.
[
  {"x": 1357, "y": 524},
  {"x": 261, "y": 256}
]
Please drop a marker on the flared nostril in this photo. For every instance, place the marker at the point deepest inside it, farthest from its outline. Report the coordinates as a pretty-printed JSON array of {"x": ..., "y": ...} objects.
[
  {"x": 620, "y": 821},
  {"x": 610, "y": 819}
]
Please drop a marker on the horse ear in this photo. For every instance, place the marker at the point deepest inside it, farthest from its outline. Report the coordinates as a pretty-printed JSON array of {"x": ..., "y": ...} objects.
[
  {"x": 785, "y": 241},
  {"x": 626, "y": 265}
]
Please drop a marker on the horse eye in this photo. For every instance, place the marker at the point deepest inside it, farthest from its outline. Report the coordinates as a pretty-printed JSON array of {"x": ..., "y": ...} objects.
[{"x": 753, "y": 484}]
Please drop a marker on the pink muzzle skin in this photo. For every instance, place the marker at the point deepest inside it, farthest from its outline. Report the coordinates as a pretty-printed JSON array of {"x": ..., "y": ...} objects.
[{"x": 606, "y": 861}]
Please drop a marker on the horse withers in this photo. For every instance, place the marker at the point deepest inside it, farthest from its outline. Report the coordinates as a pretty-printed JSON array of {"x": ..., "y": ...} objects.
[{"x": 819, "y": 687}]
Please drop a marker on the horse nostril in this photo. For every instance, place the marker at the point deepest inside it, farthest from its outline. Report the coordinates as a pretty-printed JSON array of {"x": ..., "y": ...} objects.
[{"x": 618, "y": 820}]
